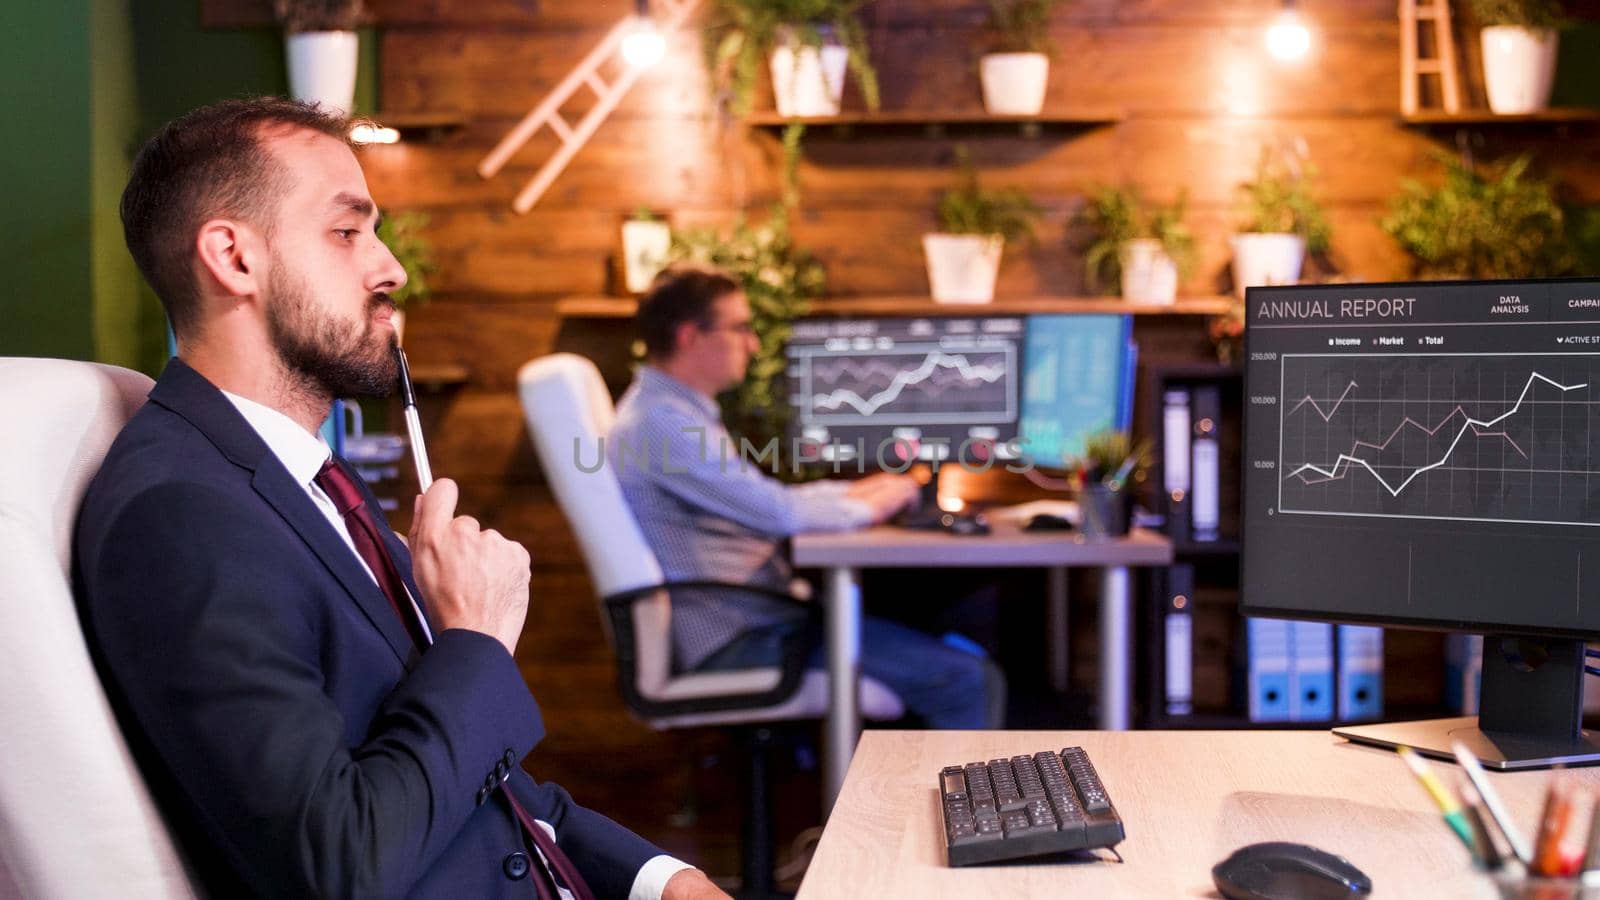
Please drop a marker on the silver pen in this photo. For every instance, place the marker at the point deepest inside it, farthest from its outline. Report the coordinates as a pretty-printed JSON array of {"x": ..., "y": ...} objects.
[
  {"x": 408, "y": 398},
  {"x": 1491, "y": 802}
]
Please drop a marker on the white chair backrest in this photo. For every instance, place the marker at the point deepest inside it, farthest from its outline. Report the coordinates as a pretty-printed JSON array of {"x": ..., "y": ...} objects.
[
  {"x": 75, "y": 817},
  {"x": 568, "y": 410}
]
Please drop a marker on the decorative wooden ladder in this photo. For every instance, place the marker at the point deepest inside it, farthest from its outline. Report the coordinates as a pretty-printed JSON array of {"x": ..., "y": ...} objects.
[
  {"x": 585, "y": 74},
  {"x": 1413, "y": 68}
]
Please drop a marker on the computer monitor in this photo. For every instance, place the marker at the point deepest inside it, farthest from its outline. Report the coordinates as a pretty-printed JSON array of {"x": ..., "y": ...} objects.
[
  {"x": 887, "y": 392},
  {"x": 1428, "y": 456},
  {"x": 1077, "y": 379}
]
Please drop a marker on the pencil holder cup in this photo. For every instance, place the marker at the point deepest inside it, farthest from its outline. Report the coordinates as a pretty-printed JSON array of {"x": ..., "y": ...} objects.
[
  {"x": 1104, "y": 512},
  {"x": 1522, "y": 886}
]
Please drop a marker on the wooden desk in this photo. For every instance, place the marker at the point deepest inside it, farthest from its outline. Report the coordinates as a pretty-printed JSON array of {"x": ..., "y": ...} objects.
[
  {"x": 1187, "y": 800},
  {"x": 844, "y": 554}
]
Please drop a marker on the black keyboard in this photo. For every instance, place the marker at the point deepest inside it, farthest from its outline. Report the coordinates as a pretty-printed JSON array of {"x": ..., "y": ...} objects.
[{"x": 1026, "y": 806}]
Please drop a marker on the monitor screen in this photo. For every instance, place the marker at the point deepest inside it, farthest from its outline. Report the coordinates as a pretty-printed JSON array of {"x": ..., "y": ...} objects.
[
  {"x": 1077, "y": 380},
  {"x": 1428, "y": 455},
  {"x": 887, "y": 391}
]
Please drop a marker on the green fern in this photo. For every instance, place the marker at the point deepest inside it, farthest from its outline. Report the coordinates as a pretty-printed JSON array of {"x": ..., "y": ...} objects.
[
  {"x": 1499, "y": 223},
  {"x": 1116, "y": 215},
  {"x": 742, "y": 33},
  {"x": 970, "y": 209}
]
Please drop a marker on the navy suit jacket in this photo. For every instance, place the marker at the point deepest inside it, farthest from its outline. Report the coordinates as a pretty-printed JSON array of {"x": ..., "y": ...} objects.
[{"x": 293, "y": 737}]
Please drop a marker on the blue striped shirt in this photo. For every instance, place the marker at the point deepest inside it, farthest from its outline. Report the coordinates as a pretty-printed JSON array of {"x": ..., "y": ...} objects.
[{"x": 708, "y": 513}]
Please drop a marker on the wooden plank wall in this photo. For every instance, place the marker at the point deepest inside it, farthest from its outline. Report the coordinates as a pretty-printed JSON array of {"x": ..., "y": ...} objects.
[{"x": 1201, "y": 97}]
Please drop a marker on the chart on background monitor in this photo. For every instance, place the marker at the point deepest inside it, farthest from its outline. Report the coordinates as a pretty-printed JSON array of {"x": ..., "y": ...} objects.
[
  {"x": 913, "y": 381},
  {"x": 1483, "y": 437},
  {"x": 920, "y": 381}
]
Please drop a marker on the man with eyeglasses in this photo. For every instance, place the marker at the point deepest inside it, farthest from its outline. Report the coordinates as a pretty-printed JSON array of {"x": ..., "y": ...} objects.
[{"x": 709, "y": 513}]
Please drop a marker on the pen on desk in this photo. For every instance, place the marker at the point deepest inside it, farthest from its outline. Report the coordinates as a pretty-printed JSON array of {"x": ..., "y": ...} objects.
[
  {"x": 1554, "y": 823},
  {"x": 1482, "y": 839},
  {"x": 1491, "y": 802},
  {"x": 408, "y": 399},
  {"x": 1453, "y": 816}
]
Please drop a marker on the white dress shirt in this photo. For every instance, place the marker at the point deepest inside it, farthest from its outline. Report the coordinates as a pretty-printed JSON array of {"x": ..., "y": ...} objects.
[{"x": 303, "y": 454}]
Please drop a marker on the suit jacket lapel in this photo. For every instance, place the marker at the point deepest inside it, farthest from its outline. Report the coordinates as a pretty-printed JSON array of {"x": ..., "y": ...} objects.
[
  {"x": 190, "y": 395},
  {"x": 275, "y": 486}
]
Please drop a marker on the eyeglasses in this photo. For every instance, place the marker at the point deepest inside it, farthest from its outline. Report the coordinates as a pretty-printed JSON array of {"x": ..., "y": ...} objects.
[{"x": 746, "y": 328}]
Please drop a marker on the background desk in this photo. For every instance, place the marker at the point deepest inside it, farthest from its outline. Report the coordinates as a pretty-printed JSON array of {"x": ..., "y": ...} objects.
[
  {"x": 845, "y": 554},
  {"x": 1187, "y": 799}
]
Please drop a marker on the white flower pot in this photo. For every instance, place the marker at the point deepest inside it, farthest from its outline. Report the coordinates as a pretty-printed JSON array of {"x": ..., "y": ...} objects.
[
  {"x": 644, "y": 253},
  {"x": 1014, "y": 83},
  {"x": 962, "y": 267},
  {"x": 1265, "y": 259},
  {"x": 322, "y": 67},
  {"x": 1519, "y": 67},
  {"x": 808, "y": 83},
  {"x": 1149, "y": 274}
]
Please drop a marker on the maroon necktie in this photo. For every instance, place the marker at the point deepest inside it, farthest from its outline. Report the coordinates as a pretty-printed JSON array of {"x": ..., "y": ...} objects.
[{"x": 365, "y": 533}]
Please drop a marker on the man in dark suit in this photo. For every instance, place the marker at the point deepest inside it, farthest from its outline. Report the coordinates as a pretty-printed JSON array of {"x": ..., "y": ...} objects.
[{"x": 321, "y": 709}]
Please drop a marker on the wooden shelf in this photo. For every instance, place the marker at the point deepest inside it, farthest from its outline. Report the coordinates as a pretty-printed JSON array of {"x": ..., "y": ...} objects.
[
  {"x": 421, "y": 125},
  {"x": 1485, "y": 117},
  {"x": 623, "y": 307},
  {"x": 936, "y": 122},
  {"x": 436, "y": 376}
]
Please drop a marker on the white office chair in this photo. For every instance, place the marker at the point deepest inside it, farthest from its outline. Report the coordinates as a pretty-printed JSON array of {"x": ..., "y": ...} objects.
[
  {"x": 568, "y": 408},
  {"x": 75, "y": 817}
]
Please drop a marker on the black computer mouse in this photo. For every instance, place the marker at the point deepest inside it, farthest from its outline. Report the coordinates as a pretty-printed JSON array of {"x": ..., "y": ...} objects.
[
  {"x": 1279, "y": 870},
  {"x": 1048, "y": 522}
]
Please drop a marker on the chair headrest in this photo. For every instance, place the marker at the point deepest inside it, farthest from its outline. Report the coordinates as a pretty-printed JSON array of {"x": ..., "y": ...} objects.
[
  {"x": 568, "y": 409},
  {"x": 59, "y": 417}
]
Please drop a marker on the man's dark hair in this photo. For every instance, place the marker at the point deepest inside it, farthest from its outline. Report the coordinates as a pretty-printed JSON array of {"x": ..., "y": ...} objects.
[
  {"x": 680, "y": 294},
  {"x": 209, "y": 163}
]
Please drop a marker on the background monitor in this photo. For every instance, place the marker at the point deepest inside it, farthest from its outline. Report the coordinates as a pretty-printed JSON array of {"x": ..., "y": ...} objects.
[
  {"x": 892, "y": 387},
  {"x": 1078, "y": 376},
  {"x": 1428, "y": 455}
]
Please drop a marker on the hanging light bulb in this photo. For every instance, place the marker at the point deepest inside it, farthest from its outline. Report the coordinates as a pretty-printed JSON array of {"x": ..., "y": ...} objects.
[
  {"x": 1288, "y": 38},
  {"x": 372, "y": 133},
  {"x": 644, "y": 45}
]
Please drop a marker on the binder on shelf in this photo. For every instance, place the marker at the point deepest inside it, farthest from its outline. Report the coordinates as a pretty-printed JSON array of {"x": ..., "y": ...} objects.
[
  {"x": 1176, "y": 429},
  {"x": 1205, "y": 515},
  {"x": 1130, "y": 378},
  {"x": 1360, "y": 673},
  {"x": 1463, "y": 671},
  {"x": 1310, "y": 671},
  {"x": 1178, "y": 627},
  {"x": 1267, "y": 669}
]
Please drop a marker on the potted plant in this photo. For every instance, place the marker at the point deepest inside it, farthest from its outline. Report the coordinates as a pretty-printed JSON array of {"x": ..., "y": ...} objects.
[
  {"x": 402, "y": 232},
  {"x": 1144, "y": 249},
  {"x": 964, "y": 256},
  {"x": 1015, "y": 73},
  {"x": 780, "y": 280},
  {"x": 1105, "y": 473},
  {"x": 646, "y": 246},
  {"x": 1282, "y": 222},
  {"x": 1503, "y": 223},
  {"x": 1519, "y": 42},
  {"x": 322, "y": 47},
  {"x": 807, "y": 44}
]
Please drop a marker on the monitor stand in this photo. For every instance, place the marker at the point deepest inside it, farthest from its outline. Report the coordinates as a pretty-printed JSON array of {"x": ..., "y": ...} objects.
[
  {"x": 1530, "y": 711},
  {"x": 925, "y": 512}
]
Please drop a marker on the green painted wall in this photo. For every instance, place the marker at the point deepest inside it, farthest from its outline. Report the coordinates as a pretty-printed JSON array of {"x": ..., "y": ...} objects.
[
  {"x": 99, "y": 77},
  {"x": 45, "y": 219},
  {"x": 118, "y": 326}
]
